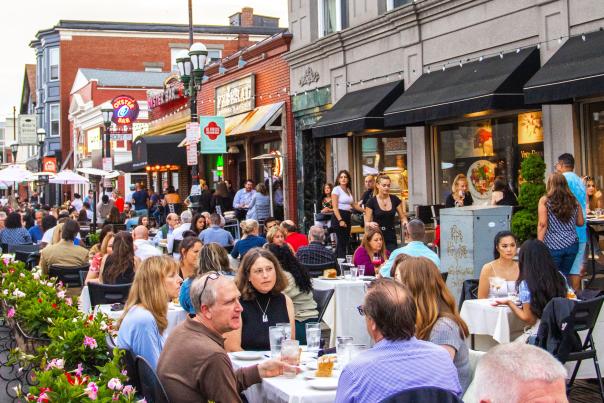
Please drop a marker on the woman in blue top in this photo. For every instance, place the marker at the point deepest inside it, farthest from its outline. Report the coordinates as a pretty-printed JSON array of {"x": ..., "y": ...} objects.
[
  {"x": 13, "y": 232},
  {"x": 539, "y": 281},
  {"x": 260, "y": 206},
  {"x": 145, "y": 317},
  {"x": 249, "y": 240}
]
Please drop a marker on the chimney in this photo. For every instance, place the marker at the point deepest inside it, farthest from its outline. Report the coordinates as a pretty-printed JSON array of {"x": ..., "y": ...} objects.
[{"x": 247, "y": 17}]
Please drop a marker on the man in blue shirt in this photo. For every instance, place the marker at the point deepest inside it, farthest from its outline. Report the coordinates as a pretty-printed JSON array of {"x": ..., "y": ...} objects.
[
  {"x": 398, "y": 361},
  {"x": 140, "y": 199},
  {"x": 243, "y": 198},
  {"x": 566, "y": 166},
  {"x": 414, "y": 236},
  {"x": 36, "y": 231},
  {"x": 216, "y": 234}
]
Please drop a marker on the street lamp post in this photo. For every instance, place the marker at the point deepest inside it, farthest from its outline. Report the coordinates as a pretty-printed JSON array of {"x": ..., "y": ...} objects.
[
  {"x": 41, "y": 134},
  {"x": 191, "y": 67},
  {"x": 107, "y": 112},
  {"x": 14, "y": 148}
]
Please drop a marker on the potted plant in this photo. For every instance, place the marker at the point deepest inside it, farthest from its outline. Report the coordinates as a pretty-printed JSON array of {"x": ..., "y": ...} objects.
[{"x": 524, "y": 221}]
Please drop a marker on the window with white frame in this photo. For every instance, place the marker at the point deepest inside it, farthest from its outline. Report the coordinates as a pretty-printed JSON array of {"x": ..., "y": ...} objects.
[
  {"x": 332, "y": 16},
  {"x": 53, "y": 63},
  {"x": 392, "y": 4},
  {"x": 55, "y": 119}
]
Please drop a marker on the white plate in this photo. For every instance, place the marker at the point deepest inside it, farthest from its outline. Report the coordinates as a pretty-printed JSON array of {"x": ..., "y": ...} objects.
[
  {"x": 324, "y": 383},
  {"x": 308, "y": 375},
  {"x": 329, "y": 278},
  {"x": 247, "y": 355},
  {"x": 481, "y": 188},
  {"x": 312, "y": 365}
]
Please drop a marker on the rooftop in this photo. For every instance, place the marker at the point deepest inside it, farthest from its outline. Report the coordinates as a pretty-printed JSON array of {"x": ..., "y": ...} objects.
[{"x": 120, "y": 78}]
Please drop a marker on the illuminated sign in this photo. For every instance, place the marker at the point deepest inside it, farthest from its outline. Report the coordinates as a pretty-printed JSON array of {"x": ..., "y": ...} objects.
[
  {"x": 49, "y": 164},
  {"x": 125, "y": 110}
]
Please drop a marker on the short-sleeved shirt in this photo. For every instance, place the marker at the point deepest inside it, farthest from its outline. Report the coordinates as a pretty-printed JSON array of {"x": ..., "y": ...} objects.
[
  {"x": 140, "y": 199},
  {"x": 446, "y": 332},
  {"x": 381, "y": 217},
  {"x": 577, "y": 188},
  {"x": 217, "y": 235},
  {"x": 345, "y": 200},
  {"x": 524, "y": 293}
]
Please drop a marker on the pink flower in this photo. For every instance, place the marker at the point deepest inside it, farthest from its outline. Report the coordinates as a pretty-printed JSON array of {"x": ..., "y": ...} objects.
[
  {"x": 92, "y": 390},
  {"x": 11, "y": 312},
  {"x": 90, "y": 342},
  {"x": 69, "y": 301},
  {"x": 55, "y": 363},
  {"x": 79, "y": 369},
  {"x": 61, "y": 294},
  {"x": 114, "y": 384},
  {"x": 43, "y": 398},
  {"x": 128, "y": 390},
  {"x": 124, "y": 372}
]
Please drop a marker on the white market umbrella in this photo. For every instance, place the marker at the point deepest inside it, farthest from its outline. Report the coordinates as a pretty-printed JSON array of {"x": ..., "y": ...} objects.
[
  {"x": 36, "y": 176},
  {"x": 14, "y": 173},
  {"x": 68, "y": 177},
  {"x": 93, "y": 171}
]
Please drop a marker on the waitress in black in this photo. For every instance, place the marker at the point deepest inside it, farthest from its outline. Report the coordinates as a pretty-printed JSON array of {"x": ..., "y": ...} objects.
[
  {"x": 382, "y": 209},
  {"x": 260, "y": 281}
]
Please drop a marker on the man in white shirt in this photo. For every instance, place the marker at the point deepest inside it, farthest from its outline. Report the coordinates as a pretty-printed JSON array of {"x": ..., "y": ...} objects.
[
  {"x": 185, "y": 218},
  {"x": 143, "y": 248}
]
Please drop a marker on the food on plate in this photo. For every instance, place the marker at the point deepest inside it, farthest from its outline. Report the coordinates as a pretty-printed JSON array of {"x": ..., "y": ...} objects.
[
  {"x": 325, "y": 366},
  {"x": 330, "y": 273}
]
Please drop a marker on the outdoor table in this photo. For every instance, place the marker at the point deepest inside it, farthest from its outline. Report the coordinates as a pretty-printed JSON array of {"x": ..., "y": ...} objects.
[
  {"x": 341, "y": 314},
  {"x": 281, "y": 389},
  {"x": 499, "y": 322},
  {"x": 597, "y": 226}
]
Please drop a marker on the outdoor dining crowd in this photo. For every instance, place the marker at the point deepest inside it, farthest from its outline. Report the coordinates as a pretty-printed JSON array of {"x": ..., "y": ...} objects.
[{"x": 235, "y": 290}]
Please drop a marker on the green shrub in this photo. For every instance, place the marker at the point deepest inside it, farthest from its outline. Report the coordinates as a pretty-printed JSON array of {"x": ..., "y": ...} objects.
[{"x": 524, "y": 221}]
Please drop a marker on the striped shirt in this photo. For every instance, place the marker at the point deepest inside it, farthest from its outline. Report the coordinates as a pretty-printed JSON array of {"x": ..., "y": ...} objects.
[
  {"x": 560, "y": 235},
  {"x": 391, "y": 367}
]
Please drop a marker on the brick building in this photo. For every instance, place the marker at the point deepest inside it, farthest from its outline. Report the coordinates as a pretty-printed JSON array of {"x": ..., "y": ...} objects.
[{"x": 257, "y": 122}]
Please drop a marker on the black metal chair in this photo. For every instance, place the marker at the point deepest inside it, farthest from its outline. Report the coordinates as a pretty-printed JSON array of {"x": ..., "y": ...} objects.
[
  {"x": 316, "y": 270},
  {"x": 33, "y": 259},
  {"x": 22, "y": 252},
  {"x": 4, "y": 247},
  {"x": 423, "y": 395},
  {"x": 70, "y": 276},
  {"x": 582, "y": 318},
  {"x": 83, "y": 275},
  {"x": 110, "y": 344},
  {"x": 151, "y": 387},
  {"x": 469, "y": 290},
  {"x": 322, "y": 298},
  {"x": 108, "y": 293},
  {"x": 129, "y": 361}
]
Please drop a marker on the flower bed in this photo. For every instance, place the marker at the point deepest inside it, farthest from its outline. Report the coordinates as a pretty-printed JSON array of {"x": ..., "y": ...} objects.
[{"x": 66, "y": 348}]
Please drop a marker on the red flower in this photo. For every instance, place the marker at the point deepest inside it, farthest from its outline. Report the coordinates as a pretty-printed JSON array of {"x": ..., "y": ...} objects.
[
  {"x": 39, "y": 300},
  {"x": 55, "y": 306}
]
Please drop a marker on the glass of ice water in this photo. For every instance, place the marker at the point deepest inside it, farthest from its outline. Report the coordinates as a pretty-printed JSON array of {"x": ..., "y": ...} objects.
[{"x": 313, "y": 337}]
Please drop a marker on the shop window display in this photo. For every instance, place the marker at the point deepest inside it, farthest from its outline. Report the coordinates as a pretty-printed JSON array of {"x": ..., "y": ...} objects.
[{"x": 387, "y": 155}]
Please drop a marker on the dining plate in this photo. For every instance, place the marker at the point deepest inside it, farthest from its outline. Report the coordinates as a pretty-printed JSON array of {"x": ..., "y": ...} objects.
[
  {"x": 324, "y": 383},
  {"x": 329, "y": 278},
  {"x": 247, "y": 355},
  {"x": 309, "y": 375},
  {"x": 367, "y": 278},
  {"x": 312, "y": 365}
]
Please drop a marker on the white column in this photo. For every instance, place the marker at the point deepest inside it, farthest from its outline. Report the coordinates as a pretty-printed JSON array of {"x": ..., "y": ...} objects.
[
  {"x": 418, "y": 166},
  {"x": 558, "y": 134}
]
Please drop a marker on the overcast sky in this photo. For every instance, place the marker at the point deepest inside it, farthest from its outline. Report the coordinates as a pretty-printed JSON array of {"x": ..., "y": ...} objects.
[{"x": 20, "y": 21}]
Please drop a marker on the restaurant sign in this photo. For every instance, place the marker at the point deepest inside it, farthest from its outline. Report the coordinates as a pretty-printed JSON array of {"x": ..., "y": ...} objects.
[
  {"x": 125, "y": 110},
  {"x": 213, "y": 136},
  {"x": 27, "y": 129},
  {"x": 49, "y": 164},
  {"x": 236, "y": 97}
]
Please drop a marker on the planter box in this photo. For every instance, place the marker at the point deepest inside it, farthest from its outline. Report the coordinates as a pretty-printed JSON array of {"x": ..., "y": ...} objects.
[{"x": 26, "y": 343}]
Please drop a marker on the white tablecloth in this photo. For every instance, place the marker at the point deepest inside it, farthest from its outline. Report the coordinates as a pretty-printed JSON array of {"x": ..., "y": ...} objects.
[
  {"x": 341, "y": 315},
  {"x": 284, "y": 390},
  {"x": 499, "y": 322}
]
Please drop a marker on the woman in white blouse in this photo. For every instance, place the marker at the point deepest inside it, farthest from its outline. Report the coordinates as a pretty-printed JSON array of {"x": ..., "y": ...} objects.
[{"x": 343, "y": 203}]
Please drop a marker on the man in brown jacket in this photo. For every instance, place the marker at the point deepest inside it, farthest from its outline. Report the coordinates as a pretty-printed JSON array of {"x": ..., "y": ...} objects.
[
  {"x": 64, "y": 253},
  {"x": 194, "y": 366}
]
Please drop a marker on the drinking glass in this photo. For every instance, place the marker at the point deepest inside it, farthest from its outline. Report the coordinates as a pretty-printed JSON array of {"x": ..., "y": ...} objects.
[
  {"x": 495, "y": 285},
  {"x": 349, "y": 259},
  {"x": 341, "y": 343},
  {"x": 313, "y": 337},
  {"x": 354, "y": 273},
  {"x": 361, "y": 270},
  {"x": 276, "y": 337},
  {"x": 290, "y": 354},
  {"x": 341, "y": 261},
  {"x": 347, "y": 274},
  {"x": 286, "y": 329},
  {"x": 354, "y": 349}
]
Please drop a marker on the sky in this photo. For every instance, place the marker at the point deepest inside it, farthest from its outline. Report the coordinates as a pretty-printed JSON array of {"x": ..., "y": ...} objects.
[{"x": 20, "y": 21}]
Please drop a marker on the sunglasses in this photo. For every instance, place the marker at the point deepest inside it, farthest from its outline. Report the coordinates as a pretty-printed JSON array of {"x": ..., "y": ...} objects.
[
  {"x": 213, "y": 275},
  {"x": 361, "y": 310}
]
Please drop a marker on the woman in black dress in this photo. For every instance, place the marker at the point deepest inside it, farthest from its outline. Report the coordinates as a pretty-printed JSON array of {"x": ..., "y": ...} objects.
[
  {"x": 459, "y": 196},
  {"x": 380, "y": 211},
  {"x": 260, "y": 281}
]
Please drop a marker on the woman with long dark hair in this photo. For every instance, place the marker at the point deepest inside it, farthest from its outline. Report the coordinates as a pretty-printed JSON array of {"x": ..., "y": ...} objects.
[
  {"x": 119, "y": 266},
  {"x": 503, "y": 267},
  {"x": 502, "y": 195},
  {"x": 221, "y": 199},
  {"x": 189, "y": 256},
  {"x": 559, "y": 213},
  {"x": 343, "y": 203},
  {"x": 299, "y": 289},
  {"x": 198, "y": 224},
  {"x": 372, "y": 252},
  {"x": 114, "y": 216},
  {"x": 538, "y": 282}
]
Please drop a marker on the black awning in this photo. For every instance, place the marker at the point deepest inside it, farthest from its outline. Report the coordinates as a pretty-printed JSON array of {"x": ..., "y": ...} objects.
[
  {"x": 126, "y": 167},
  {"x": 158, "y": 150},
  {"x": 575, "y": 70},
  {"x": 493, "y": 83},
  {"x": 357, "y": 111}
]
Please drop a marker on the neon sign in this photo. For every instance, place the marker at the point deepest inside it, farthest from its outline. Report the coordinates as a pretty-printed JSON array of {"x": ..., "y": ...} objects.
[{"x": 125, "y": 110}]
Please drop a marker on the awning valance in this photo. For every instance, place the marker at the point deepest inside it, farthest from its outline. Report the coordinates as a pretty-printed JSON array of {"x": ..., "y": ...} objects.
[
  {"x": 255, "y": 120},
  {"x": 158, "y": 150},
  {"x": 357, "y": 111},
  {"x": 493, "y": 83},
  {"x": 575, "y": 70}
]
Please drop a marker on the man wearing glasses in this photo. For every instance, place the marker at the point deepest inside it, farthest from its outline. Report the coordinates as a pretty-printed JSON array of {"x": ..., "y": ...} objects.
[
  {"x": 409, "y": 363},
  {"x": 194, "y": 365},
  {"x": 172, "y": 221}
]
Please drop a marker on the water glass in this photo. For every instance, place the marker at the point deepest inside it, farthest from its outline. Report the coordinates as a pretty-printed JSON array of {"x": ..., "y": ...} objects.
[
  {"x": 496, "y": 284},
  {"x": 354, "y": 349},
  {"x": 275, "y": 336},
  {"x": 354, "y": 273},
  {"x": 286, "y": 328},
  {"x": 341, "y": 343},
  {"x": 347, "y": 274},
  {"x": 349, "y": 259},
  {"x": 290, "y": 354},
  {"x": 313, "y": 337},
  {"x": 361, "y": 270}
]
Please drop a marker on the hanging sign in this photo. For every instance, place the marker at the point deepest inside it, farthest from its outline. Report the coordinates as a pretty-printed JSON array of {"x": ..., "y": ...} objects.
[
  {"x": 49, "y": 164},
  {"x": 125, "y": 110},
  {"x": 192, "y": 140},
  {"x": 213, "y": 136}
]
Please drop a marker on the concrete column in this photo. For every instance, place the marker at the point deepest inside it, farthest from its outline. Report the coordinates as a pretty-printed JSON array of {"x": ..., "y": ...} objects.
[
  {"x": 558, "y": 134},
  {"x": 418, "y": 167}
]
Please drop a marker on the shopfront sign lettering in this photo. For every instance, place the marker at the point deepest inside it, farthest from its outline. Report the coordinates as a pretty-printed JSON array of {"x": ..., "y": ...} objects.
[
  {"x": 157, "y": 98},
  {"x": 309, "y": 77},
  {"x": 236, "y": 97},
  {"x": 125, "y": 110},
  {"x": 27, "y": 129}
]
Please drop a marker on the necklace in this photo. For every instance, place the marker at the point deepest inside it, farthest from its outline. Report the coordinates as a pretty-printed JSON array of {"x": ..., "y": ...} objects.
[{"x": 264, "y": 316}]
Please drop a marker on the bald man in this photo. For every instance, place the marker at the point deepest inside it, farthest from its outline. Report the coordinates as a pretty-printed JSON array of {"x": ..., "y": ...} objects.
[
  {"x": 171, "y": 223},
  {"x": 295, "y": 239},
  {"x": 143, "y": 248}
]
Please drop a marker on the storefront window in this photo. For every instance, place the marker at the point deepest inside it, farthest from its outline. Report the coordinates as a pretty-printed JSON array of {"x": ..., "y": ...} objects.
[
  {"x": 387, "y": 155},
  {"x": 594, "y": 141},
  {"x": 486, "y": 148}
]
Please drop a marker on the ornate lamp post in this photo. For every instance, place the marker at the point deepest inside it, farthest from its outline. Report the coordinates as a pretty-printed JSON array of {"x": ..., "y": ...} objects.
[
  {"x": 41, "y": 135},
  {"x": 107, "y": 112}
]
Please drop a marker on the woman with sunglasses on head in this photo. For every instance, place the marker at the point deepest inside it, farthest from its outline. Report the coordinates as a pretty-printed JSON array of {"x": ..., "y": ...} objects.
[
  {"x": 261, "y": 282},
  {"x": 343, "y": 203},
  {"x": 381, "y": 210},
  {"x": 594, "y": 196}
]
